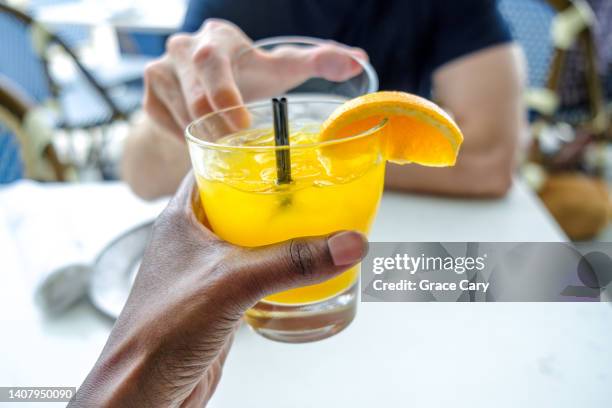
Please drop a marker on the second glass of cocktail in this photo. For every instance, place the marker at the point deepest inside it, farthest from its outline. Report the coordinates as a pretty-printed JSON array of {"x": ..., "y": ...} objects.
[{"x": 335, "y": 185}]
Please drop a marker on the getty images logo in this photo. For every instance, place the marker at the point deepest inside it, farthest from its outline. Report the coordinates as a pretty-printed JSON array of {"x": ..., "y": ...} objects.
[
  {"x": 422, "y": 263},
  {"x": 511, "y": 271}
]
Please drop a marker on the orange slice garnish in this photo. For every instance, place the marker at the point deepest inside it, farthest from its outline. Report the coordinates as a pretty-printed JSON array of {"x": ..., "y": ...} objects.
[{"x": 417, "y": 130}]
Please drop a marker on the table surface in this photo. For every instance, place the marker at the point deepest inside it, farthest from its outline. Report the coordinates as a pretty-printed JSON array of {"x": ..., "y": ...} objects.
[{"x": 395, "y": 354}]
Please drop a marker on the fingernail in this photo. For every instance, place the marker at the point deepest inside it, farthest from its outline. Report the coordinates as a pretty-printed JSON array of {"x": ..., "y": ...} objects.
[
  {"x": 360, "y": 53},
  {"x": 347, "y": 247}
]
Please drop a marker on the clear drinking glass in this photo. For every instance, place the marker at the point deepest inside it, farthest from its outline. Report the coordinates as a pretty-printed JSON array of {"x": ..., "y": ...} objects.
[
  {"x": 247, "y": 72},
  {"x": 336, "y": 185}
]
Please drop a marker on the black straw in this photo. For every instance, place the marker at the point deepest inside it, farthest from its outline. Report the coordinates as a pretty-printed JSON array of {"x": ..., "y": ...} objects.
[{"x": 281, "y": 138}]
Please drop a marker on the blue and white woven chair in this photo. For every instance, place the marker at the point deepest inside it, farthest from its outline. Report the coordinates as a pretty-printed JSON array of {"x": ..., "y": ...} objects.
[
  {"x": 548, "y": 30},
  {"x": 84, "y": 104},
  {"x": 25, "y": 151}
]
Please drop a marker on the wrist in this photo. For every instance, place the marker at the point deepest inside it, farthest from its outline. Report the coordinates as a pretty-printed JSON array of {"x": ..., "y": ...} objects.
[{"x": 119, "y": 377}]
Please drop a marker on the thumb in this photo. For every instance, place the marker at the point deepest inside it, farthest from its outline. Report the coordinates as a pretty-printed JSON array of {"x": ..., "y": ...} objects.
[{"x": 299, "y": 262}]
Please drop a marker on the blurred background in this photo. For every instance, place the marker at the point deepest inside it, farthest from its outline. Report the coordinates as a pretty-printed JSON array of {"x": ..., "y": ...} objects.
[{"x": 71, "y": 80}]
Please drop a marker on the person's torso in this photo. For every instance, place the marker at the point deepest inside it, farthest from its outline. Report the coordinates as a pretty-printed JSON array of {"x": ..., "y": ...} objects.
[{"x": 394, "y": 33}]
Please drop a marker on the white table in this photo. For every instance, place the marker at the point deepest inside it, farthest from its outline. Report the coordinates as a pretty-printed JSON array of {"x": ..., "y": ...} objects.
[{"x": 395, "y": 354}]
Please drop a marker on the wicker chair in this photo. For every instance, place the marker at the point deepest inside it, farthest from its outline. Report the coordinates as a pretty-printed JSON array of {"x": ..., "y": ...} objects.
[
  {"x": 19, "y": 154},
  {"x": 83, "y": 104},
  {"x": 531, "y": 23}
]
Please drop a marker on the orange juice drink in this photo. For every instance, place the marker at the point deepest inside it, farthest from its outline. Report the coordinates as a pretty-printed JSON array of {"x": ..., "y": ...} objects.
[
  {"x": 335, "y": 185},
  {"x": 253, "y": 210}
]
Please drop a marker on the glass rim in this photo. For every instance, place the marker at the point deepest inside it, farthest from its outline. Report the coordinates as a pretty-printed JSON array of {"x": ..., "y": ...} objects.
[
  {"x": 368, "y": 69},
  {"x": 217, "y": 146}
]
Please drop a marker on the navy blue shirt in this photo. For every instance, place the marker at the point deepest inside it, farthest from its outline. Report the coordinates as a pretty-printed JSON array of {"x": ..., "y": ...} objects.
[{"x": 405, "y": 39}]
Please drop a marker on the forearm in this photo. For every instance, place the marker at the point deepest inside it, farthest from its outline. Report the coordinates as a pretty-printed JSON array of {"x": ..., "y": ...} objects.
[
  {"x": 476, "y": 174},
  {"x": 133, "y": 369},
  {"x": 153, "y": 163},
  {"x": 485, "y": 164},
  {"x": 483, "y": 91},
  {"x": 116, "y": 378}
]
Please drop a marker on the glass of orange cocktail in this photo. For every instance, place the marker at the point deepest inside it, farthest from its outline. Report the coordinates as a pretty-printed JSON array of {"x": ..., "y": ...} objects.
[
  {"x": 234, "y": 162},
  {"x": 336, "y": 158},
  {"x": 335, "y": 185}
]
